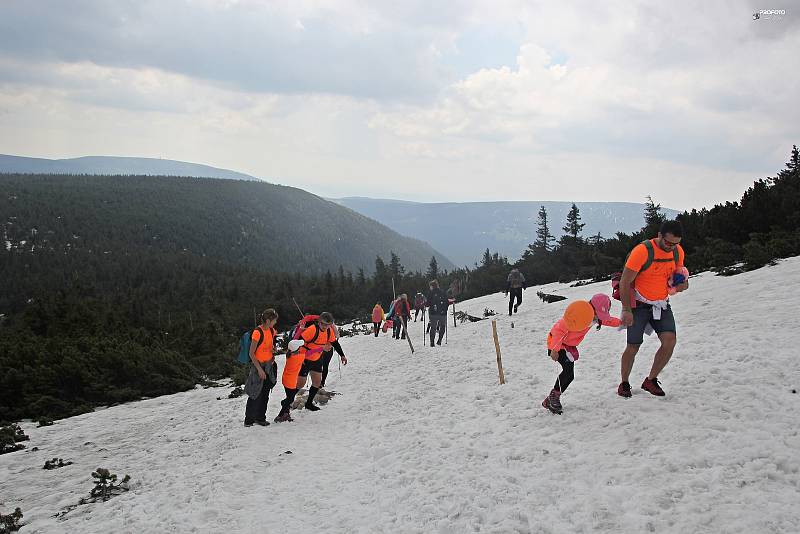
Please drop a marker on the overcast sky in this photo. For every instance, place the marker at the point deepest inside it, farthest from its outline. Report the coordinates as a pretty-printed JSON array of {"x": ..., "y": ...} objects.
[{"x": 419, "y": 100}]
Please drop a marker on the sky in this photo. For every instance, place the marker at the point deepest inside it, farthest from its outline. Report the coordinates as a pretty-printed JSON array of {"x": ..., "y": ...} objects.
[{"x": 427, "y": 101}]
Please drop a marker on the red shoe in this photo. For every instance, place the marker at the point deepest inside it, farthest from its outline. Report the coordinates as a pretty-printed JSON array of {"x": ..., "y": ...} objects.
[
  {"x": 624, "y": 390},
  {"x": 652, "y": 386}
]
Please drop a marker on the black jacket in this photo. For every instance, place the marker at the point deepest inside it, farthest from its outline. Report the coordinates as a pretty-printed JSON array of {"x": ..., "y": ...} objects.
[{"x": 437, "y": 301}]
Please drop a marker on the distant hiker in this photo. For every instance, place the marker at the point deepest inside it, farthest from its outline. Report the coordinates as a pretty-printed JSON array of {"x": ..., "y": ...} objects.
[
  {"x": 400, "y": 315},
  {"x": 437, "y": 311},
  {"x": 515, "y": 283},
  {"x": 315, "y": 338},
  {"x": 419, "y": 305},
  {"x": 326, "y": 358},
  {"x": 377, "y": 318},
  {"x": 263, "y": 372},
  {"x": 644, "y": 292},
  {"x": 566, "y": 335}
]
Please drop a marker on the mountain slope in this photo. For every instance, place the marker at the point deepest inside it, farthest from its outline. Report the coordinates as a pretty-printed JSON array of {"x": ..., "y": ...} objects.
[
  {"x": 462, "y": 231},
  {"x": 257, "y": 224},
  {"x": 114, "y": 165},
  {"x": 413, "y": 450}
]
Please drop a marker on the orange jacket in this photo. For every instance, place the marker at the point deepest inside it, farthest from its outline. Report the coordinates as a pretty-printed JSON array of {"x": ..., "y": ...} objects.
[{"x": 377, "y": 314}]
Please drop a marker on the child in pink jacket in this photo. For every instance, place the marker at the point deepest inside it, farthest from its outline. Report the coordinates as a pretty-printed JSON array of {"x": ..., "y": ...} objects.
[{"x": 562, "y": 346}]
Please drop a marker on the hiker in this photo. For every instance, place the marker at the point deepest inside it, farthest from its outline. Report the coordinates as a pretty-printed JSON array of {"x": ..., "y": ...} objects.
[
  {"x": 401, "y": 313},
  {"x": 419, "y": 306},
  {"x": 438, "y": 304},
  {"x": 263, "y": 371},
  {"x": 515, "y": 283},
  {"x": 377, "y": 318},
  {"x": 326, "y": 358},
  {"x": 566, "y": 335},
  {"x": 315, "y": 338},
  {"x": 644, "y": 292}
]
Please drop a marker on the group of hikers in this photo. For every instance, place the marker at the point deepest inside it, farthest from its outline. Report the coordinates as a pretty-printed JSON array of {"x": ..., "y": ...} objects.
[
  {"x": 653, "y": 271},
  {"x": 309, "y": 354},
  {"x": 437, "y": 303}
]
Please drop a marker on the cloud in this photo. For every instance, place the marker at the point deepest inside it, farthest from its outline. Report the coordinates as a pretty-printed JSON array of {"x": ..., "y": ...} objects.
[{"x": 420, "y": 100}]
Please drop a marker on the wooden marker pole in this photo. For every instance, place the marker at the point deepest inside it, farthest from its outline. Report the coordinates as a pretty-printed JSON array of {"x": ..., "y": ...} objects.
[{"x": 497, "y": 349}]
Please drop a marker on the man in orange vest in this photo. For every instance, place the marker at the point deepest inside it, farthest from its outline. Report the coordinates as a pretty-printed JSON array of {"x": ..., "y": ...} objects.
[{"x": 643, "y": 291}]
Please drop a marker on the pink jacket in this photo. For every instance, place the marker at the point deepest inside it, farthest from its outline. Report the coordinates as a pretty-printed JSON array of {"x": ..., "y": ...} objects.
[
  {"x": 560, "y": 336},
  {"x": 377, "y": 314}
]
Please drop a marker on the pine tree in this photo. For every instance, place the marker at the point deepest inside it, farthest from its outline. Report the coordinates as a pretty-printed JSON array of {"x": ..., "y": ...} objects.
[
  {"x": 395, "y": 267},
  {"x": 543, "y": 236},
  {"x": 574, "y": 226},
  {"x": 653, "y": 217},
  {"x": 487, "y": 258},
  {"x": 433, "y": 269}
]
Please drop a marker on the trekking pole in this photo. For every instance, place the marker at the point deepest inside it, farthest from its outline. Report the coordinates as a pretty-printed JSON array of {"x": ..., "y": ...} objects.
[
  {"x": 298, "y": 308},
  {"x": 423, "y": 328}
]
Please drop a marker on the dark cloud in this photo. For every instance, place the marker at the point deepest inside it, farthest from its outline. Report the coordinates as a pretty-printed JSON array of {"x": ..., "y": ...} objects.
[{"x": 255, "y": 48}]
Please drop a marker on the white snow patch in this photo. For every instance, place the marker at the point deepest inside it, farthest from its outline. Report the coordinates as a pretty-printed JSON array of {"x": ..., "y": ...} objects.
[{"x": 432, "y": 443}]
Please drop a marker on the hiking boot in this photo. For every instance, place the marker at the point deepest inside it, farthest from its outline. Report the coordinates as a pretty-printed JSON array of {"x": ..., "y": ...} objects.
[
  {"x": 653, "y": 387},
  {"x": 553, "y": 402},
  {"x": 431, "y": 343},
  {"x": 248, "y": 423},
  {"x": 312, "y": 407},
  {"x": 624, "y": 390},
  {"x": 262, "y": 423},
  {"x": 439, "y": 341},
  {"x": 283, "y": 417},
  {"x": 515, "y": 308}
]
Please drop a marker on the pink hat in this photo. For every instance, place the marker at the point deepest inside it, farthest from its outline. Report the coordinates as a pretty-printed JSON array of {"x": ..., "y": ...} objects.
[{"x": 602, "y": 305}]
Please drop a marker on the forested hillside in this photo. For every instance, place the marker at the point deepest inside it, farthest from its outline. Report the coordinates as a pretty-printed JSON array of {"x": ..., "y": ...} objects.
[{"x": 116, "y": 287}]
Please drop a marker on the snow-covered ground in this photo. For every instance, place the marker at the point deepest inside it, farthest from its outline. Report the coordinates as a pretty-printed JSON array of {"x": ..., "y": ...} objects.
[{"x": 432, "y": 443}]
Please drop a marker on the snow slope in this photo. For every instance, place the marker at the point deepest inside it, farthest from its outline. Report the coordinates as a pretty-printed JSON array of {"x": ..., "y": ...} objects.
[{"x": 432, "y": 442}]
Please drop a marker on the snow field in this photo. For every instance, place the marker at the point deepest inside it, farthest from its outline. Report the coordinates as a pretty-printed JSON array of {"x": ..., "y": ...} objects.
[{"x": 432, "y": 442}]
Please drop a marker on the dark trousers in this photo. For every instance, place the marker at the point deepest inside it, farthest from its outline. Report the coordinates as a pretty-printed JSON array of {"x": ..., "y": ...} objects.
[
  {"x": 326, "y": 361},
  {"x": 417, "y": 312},
  {"x": 567, "y": 372},
  {"x": 399, "y": 327},
  {"x": 437, "y": 323},
  {"x": 256, "y": 409},
  {"x": 286, "y": 403},
  {"x": 514, "y": 293},
  {"x": 376, "y": 327}
]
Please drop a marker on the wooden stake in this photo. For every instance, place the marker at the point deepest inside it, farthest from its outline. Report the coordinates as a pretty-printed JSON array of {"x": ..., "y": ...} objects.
[{"x": 497, "y": 349}]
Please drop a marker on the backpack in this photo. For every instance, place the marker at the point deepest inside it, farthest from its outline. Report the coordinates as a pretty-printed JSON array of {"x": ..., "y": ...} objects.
[
  {"x": 419, "y": 300},
  {"x": 515, "y": 279},
  {"x": 245, "y": 342},
  {"x": 306, "y": 322},
  {"x": 616, "y": 277}
]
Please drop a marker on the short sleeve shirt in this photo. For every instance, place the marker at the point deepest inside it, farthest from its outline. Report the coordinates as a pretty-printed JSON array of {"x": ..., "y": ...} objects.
[
  {"x": 652, "y": 283},
  {"x": 264, "y": 351}
]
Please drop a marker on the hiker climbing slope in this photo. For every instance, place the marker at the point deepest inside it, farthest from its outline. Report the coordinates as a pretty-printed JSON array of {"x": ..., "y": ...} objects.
[
  {"x": 644, "y": 292},
  {"x": 567, "y": 334},
  {"x": 515, "y": 283},
  {"x": 438, "y": 305}
]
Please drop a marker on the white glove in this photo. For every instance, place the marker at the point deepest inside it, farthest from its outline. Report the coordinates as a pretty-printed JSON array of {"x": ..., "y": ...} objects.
[{"x": 295, "y": 344}]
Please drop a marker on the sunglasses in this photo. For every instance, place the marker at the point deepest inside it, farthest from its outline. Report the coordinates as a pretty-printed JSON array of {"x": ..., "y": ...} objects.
[{"x": 669, "y": 243}]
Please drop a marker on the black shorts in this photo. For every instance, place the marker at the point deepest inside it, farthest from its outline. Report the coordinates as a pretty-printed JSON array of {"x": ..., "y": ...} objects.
[
  {"x": 642, "y": 316},
  {"x": 309, "y": 366}
]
